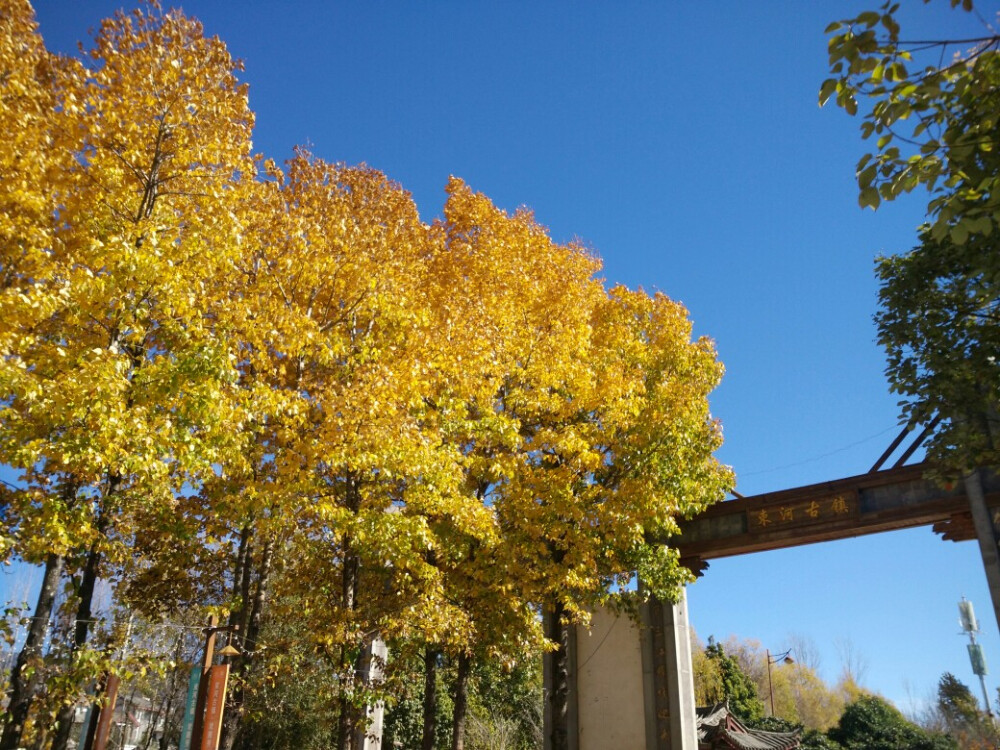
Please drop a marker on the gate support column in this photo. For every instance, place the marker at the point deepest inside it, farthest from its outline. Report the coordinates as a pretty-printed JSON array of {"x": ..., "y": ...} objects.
[
  {"x": 630, "y": 683},
  {"x": 548, "y": 684},
  {"x": 986, "y": 533},
  {"x": 668, "y": 677}
]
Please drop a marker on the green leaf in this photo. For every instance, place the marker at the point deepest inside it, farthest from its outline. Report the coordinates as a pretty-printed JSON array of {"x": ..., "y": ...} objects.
[
  {"x": 959, "y": 234},
  {"x": 869, "y": 18},
  {"x": 826, "y": 90},
  {"x": 867, "y": 175},
  {"x": 869, "y": 197}
]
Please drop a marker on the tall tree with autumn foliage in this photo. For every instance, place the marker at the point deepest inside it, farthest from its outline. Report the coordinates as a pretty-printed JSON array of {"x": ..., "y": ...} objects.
[
  {"x": 613, "y": 473},
  {"x": 115, "y": 399},
  {"x": 509, "y": 305},
  {"x": 335, "y": 363},
  {"x": 586, "y": 427},
  {"x": 32, "y": 156}
]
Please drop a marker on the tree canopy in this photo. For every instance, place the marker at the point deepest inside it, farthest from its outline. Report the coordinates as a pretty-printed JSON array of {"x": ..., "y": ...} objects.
[
  {"x": 274, "y": 391},
  {"x": 933, "y": 107},
  {"x": 871, "y": 723}
]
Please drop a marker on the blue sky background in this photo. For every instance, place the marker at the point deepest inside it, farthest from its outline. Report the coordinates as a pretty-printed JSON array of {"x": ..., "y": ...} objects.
[{"x": 683, "y": 143}]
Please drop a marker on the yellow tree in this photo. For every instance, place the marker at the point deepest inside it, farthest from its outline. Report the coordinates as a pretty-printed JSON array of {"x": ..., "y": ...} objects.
[
  {"x": 118, "y": 399},
  {"x": 344, "y": 461},
  {"x": 33, "y": 158},
  {"x": 505, "y": 295},
  {"x": 581, "y": 416},
  {"x": 618, "y": 453}
]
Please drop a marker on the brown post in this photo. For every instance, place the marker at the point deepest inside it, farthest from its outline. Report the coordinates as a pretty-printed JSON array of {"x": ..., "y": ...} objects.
[
  {"x": 99, "y": 728},
  {"x": 206, "y": 665},
  {"x": 215, "y": 702},
  {"x": 107, "y": 716}
]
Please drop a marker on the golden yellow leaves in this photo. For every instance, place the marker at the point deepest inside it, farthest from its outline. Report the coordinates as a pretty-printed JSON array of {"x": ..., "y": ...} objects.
[{"x": 460, "y": 413}]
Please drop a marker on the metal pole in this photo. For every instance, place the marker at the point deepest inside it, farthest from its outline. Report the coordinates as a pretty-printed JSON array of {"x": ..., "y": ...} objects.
[
  {"x": 770, "y": 687},
  {"x": 986, "y": 696}
]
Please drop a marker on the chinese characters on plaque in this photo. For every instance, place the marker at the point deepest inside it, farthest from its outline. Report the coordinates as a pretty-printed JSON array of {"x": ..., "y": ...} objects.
[{"x": 802, "y": 513}]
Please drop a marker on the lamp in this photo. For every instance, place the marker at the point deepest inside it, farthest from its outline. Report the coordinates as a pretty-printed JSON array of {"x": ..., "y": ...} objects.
[{"x": 784, "y": 658}]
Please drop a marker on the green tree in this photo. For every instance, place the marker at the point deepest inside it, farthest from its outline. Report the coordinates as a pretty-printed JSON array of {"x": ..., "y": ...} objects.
[
  {"x": 737, "y": 686},
  {"x": 934, "y": 114},
  {"x": 939, "y": 323},
  {"x": 933, "y": 110},
  {"x": 871, "y": 723},
  {"x": 817, "y": 740},
  {"x": 962, "y": 718}
]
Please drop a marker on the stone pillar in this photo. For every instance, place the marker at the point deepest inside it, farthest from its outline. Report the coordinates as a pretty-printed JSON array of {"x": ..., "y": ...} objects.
[
  {"x": 668, "y": 677},
  {"x": 631, "y": 684},
  {"x": 369, "y": 734}
]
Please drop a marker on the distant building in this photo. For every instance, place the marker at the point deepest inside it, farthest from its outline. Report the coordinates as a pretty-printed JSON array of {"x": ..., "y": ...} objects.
[{"x": 718, "y": 729}]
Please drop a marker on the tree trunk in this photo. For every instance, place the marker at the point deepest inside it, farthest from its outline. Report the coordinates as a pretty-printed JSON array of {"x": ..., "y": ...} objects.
[
  {"x": 173, "y": 709},
  {"x": 461, "y": 701},
  {"x": 84, "y": 615},
  {"x": 242, "y": 575},
  {"x": 162, "y": 714},
  {"x": 430, "y": 696},
  {"x": 22, "y": 687},
  {"x": 347, "y": 722},
  {"x": 251, "y": 619},
  {"x": 558, "y": 632},
  {"x": 348, "y": 667}
]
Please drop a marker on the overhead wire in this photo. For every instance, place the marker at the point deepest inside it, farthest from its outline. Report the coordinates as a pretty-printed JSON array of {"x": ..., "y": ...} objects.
[{"x": 821, "y": 456}]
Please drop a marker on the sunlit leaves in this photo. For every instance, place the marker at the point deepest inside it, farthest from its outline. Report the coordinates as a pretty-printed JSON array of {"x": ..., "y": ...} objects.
[
  {"x": 212, "y": 365},
  {"x": 114, "y": 376},
  {"x": 931, "y": 109},
  {"x": 940, "y": 325}
]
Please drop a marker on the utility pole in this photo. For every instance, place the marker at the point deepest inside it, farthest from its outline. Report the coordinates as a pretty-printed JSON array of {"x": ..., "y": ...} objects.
[{"x": 971, "y": 627}]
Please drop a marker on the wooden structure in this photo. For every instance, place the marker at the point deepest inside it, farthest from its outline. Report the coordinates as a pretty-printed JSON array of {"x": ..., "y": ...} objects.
[{"x": 897, "y": 498}]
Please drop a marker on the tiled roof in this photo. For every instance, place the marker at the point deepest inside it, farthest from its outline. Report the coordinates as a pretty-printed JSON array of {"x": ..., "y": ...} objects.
[{"x": 717, "y": 727}]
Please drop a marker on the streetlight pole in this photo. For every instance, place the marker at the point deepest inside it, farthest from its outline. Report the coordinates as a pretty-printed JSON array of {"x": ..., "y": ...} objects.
[{"x": 784, "y": 658}]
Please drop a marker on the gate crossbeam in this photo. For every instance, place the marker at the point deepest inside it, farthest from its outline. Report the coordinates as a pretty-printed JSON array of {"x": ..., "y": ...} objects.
[{"x": 896, "y": 498}]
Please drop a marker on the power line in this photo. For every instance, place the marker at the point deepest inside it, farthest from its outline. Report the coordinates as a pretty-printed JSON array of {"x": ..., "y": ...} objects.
[{"x": 821, "y": 456}]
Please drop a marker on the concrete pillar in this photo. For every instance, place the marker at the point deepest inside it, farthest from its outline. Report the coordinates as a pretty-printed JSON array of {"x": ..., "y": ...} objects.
[
  {"x": 986, "y": 533},
  {"x": 668, "y": 677},
  {"x": 631, "y": 684},
  {"x": 369, "y": 735}
]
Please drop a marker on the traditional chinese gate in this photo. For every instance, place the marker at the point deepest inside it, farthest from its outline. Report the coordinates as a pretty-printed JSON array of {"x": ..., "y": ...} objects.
[
  {"x": 639, "y": 694},
  {"x": 897, "y": 498}
]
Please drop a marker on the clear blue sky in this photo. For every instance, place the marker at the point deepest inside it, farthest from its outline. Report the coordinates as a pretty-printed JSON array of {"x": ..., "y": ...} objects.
[{"x": 683, "y": 142}]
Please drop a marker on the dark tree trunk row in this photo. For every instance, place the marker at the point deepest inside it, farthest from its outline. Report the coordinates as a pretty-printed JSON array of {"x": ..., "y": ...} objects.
[
  {"x": 22, "y": 686},
  {"x": 249, "y": 618}
]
